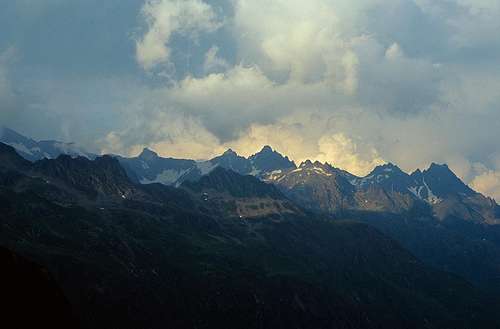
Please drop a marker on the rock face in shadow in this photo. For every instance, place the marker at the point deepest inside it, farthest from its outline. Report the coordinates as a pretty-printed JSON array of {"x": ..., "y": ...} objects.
[{"x": 30, "y": 297}]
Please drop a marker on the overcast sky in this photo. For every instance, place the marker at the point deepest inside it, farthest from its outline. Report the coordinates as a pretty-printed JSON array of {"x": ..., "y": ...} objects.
[{"x": 352, "y": 82}]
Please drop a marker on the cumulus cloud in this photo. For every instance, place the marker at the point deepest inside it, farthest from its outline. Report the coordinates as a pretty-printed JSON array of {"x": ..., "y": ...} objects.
[
  {"x": 347, "y": 155},
  {"x": 488, "y": 183},
  {"x": 296, "y": 41},
  {"x": 166, "y": 17},
  {"x": 174, "y": 136}
]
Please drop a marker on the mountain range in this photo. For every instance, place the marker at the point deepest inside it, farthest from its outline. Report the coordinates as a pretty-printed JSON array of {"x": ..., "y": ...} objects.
[
  {"x": 33, "y": 150},
  {"x": 317, "y": 186},
  {"x": 253, "y": 242}
]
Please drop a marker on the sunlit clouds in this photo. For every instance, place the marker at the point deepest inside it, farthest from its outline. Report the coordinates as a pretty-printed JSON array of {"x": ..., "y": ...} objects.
[{"x": 352, "y": 83}]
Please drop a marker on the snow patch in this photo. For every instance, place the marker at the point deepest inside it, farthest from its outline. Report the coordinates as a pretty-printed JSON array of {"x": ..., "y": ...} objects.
[
  {"x": 275, "y": 175},
  {"x": 205, "y": 167},
  {"x": 431, "y": 197},
  {"x": 321, "y": 171},
  {"x": 21, "y": 148},
  {"x": 255, "y": 171},
  {"x": 167, "y": 177},
  {"x": 417, "y": 191}
]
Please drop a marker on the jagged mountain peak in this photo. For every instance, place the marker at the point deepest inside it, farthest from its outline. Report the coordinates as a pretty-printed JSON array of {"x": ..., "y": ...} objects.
[
  {"x": 309, "y": 164},
  {"x": 443, "y": 181},
  {"x": 268, "y": 160},
  {"x": 329, "y": 165},
  {"x": 266, "y": 149},
  {"x": 306, "y": 164},
  {"x": 417, "y": 172},
  {"x": 388, "y": 168},
  {"x": 388, "y": 171},
  {"x": 441, "y": 168},
  {"x": 231, "y": 160},
  {"x": 148, "y": 154},
  {"x": 36, "y": 150},
  {"x": 230, "y": 152},
  {"x": 388, "y": 177}
]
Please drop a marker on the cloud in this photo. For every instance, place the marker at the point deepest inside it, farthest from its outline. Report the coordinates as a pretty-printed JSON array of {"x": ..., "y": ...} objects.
[
  {"x": 174, "y": 136},
  {"x": 166, "y": 17},
  {"x": 346, "y": 154},
  {"x": 295, "y": 41},
  {"x": 488, "y": 183},
  {"x": 7, "y": 57},
  {"x": 213, "y": 63}
]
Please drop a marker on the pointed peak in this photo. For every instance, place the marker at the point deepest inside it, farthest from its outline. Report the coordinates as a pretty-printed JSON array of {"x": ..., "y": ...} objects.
[
  {"x": 443, "y": 181},
  {"x": 230, "y": 152},
  {"x": 387, "y": 167},
  {"x": 266, "y": 149},
  {"x": 439, "y": 169},
  {"x": 268, "y": 160},
  {"x": 417, "y": 172},
  {"x": 318, "y": 164},
  {"x": 305, "y": 164},
  {"x": 148, "y": 154}
]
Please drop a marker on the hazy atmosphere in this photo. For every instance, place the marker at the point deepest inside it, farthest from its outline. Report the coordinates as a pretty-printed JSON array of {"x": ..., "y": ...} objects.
[{"x": 355, "y": 83}]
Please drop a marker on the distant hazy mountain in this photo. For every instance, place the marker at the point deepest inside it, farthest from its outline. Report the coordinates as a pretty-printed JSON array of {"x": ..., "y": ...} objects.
[
  {"x": 149, "y": 167},
  {"x": 259, "y": 164},
  {"x": 36, "y": 150},
  {"x": 231, "y": 160},
  {"x": 268, "y": 160}
]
